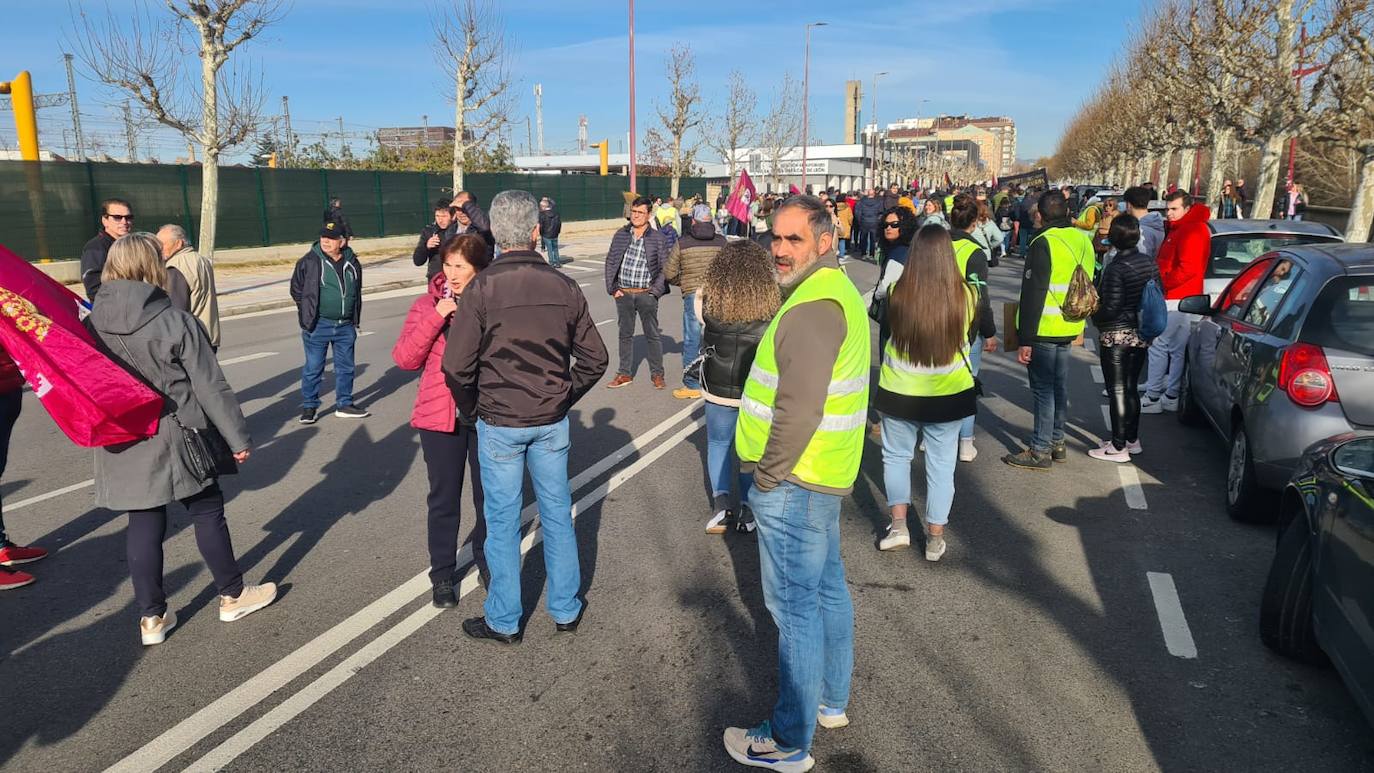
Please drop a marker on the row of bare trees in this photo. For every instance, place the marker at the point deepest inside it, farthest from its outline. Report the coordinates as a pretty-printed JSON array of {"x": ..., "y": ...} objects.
[
  {"x": 142, "y": 55},
  {"x": 1203, "y": 81}
]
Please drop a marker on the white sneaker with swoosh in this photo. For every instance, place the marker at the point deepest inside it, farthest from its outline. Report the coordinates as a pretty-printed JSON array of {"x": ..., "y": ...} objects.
[{"x": 756, "y": 748}]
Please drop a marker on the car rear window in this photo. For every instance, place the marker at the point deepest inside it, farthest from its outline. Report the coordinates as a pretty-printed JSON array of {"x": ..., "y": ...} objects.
[
  {"x": 1230, "y": 254},
  {"x": 1343, "y": 316}
]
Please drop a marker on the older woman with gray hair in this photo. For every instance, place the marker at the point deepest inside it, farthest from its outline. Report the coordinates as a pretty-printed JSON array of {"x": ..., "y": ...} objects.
[
  {"x": 168, "y": 349},
  {"x": 550, "y": 225}
]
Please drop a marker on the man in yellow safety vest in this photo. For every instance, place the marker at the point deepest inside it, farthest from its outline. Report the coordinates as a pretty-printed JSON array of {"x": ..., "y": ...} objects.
[{"x": 801, "y": 433}]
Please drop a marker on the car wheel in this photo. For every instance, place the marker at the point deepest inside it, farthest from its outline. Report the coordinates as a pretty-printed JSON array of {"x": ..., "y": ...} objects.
[
  {"x": 1188, "y": 412},
  {"x": 1242, "y": 491},
  {"x": 1286, "y": 607}
]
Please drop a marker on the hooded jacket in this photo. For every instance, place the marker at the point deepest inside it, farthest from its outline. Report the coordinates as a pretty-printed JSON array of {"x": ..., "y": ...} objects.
[
  {"x": 305, "y": 286},
  {"x": 168, "y": 350},
  {"x": 691, "y": 255},
  {"x": 1184, "y": 253},
  {"x": 1151, "y": 233},
  {"x": 421, "y": 346}
]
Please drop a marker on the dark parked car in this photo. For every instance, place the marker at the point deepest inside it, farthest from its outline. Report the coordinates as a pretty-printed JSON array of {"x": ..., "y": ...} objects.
[
  {"x": 1236, "y": 244},
  {"x": 1319, "y": 599},
  {"x": 1282, "y": 359}
]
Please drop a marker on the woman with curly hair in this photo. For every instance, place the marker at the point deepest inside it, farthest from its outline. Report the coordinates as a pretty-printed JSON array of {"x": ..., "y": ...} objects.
[{"x": 737, "y": 300}]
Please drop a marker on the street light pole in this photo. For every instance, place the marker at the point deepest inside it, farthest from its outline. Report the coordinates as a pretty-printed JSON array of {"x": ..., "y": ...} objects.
[
  {"x": 633, "y": 167},
  {"x": 876, "y": 76},
  {"x": 806, "y": 98}
]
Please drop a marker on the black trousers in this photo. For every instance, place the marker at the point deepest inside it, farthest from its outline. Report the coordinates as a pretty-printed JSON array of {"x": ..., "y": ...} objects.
[
  {"x": 445, "y": 455},
  {"x": 1121, "y": 367},
  {"x": 11, "y": 404},
  {"x": 644, "y": 306},
  {"x": 146, "y": 532}
]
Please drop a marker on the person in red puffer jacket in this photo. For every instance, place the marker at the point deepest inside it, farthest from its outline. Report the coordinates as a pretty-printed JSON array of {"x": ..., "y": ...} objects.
[
  {"x": 11, "y": 401},
  {"x": 1182, "y": 260},
  {"x": 446, "y": 438}
]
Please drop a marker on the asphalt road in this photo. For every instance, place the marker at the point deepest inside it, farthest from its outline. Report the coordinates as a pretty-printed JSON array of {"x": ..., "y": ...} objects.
[{"x": 1089, "y": 618}]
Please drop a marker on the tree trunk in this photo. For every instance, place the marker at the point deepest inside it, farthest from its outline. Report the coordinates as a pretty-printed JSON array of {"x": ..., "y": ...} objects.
[
  {"x": 1362, "y": 208},
  {"x": 1165, "y": 163},
  {"x": 1186, "y": 161},
  {"x": 209, "y": 145},
  {"x": 1271, "y": 156},
  {"x": 1221, "y": 154},
  {"x": 459, "y": 147},
  {"x": 677, "y": 167}
]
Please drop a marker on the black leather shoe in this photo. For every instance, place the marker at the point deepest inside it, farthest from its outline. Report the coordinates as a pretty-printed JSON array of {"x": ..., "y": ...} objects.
[
  {"x": 476, "y": 627},
  {"x": 571, "y": 627},
  {"x": 444, "y": 597}
]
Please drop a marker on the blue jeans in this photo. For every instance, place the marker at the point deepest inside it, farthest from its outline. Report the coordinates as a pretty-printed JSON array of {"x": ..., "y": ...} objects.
[
  {"x": 551, "y": 251},
  {"x": 1166, "y": 356},
  {"x": 720, "y": 455},
  {"x": 327, "y": 333},
  {"x": 691, "y": 337},
  {"x": 942, "y": 453},
  {"x": 504, "y": 453},
  {"x": 1023, "y": 239},
  {"x": 842, "y": 246},
  {"x": 1006, "y": 242},
  {"x": 975, "y": 360},
  {"x": 805, "y": 592},
  {"x": 1048, "y": 373}
]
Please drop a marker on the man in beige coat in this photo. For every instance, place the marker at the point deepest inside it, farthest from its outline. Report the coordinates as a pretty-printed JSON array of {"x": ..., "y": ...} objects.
[{"x": 199, "y": 273}]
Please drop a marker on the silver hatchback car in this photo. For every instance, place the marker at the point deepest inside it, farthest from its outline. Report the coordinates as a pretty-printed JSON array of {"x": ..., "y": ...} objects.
[{"x": 1282, "y": 359}]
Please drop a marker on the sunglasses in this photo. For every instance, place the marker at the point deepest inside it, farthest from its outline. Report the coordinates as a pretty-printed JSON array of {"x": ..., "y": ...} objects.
[
  {"x": 891, "y": 225},
  {"x": 128, "y": 218}
]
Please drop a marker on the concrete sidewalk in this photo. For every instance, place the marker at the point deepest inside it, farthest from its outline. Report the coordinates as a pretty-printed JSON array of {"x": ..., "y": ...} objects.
[{"x": 265, "y": 284}]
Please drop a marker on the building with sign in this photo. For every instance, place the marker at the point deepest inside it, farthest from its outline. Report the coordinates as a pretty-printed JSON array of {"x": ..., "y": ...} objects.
[{"x": 842, "y": 167}]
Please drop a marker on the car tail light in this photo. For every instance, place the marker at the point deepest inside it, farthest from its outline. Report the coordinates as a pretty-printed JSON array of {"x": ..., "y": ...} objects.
[{"x": 1305, "y": 375}]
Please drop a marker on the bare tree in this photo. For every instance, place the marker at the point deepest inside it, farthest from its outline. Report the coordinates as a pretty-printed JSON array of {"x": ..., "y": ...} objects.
[
  {"x": 735, "y": 127},
  {"x": 1344, "y": 97},
  {"x": 472, "y": 46},
  {"x": 682, "y": 114},
  {"x": 780, "y": 130},
  {"x": 144, "y": 59}
]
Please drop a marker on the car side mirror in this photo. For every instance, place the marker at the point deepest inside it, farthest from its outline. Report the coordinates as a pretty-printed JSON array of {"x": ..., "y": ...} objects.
[{"x": 1196, "y": 304}]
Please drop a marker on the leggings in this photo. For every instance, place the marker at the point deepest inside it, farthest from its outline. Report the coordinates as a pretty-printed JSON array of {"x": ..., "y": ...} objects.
[
  {"x": 446, "y": 454},
  {"x": 146, "y": 532},
  {"x": 1121, "y": 366},
  {"x": 10, "y": 405}
]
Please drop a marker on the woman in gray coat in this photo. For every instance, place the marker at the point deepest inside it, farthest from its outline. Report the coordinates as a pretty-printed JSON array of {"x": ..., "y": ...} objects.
[{"x": 169, "y": 350}]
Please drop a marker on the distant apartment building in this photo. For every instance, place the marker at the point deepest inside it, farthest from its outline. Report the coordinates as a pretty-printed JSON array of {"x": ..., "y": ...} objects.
[
  {"x": 411, "y": 137},
  {"x": 1005, "y": 129},
  {"x": 993, "y": 139}
]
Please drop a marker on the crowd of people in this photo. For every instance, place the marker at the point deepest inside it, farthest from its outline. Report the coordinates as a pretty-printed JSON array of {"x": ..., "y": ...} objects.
[{"x": 776, "y": 341}]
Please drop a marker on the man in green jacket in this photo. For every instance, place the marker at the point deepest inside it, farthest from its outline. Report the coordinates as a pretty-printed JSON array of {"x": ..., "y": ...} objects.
[
  {"x": 687, "y": 263},
  {"x": 327, "y": 286}
]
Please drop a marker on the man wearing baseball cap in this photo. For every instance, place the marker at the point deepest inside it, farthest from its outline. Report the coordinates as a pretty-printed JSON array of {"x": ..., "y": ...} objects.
[
  {"x": 327, "y": 287},
  {"x": 687, "y": 262}
]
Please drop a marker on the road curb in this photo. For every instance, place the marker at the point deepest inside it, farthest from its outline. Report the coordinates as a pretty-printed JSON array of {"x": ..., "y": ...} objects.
[{"x": 249, "y": 308}]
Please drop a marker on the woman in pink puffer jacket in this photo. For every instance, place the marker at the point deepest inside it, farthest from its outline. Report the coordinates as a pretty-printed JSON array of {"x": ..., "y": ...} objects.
[{"x": 447, "y": 439}]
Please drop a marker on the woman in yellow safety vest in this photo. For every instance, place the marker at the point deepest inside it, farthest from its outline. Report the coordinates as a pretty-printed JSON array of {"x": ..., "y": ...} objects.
[{"x": 926, "y": 385}]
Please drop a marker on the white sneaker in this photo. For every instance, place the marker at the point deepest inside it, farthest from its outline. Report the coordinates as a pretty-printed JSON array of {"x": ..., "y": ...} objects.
[
  {"x": 895, "y": 538},
  {"x": 1134, "y": 447},
  {"x": 967, "y": 452},
  {"x": 831, "y": 719},
  {"x": 154, "y": 629},
  {"x": 1153, "y": 405},
  {"x": 717, "y": 523},
  {"x": 253, "y": 598},
  {"x": 935, "y": 546},
  {"x": 1169, "y": 403},
  {"x": 1108, "y": 453}
]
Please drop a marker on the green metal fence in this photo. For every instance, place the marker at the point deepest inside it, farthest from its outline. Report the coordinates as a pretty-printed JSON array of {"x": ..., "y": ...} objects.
[{"x": 50, "y": 209}]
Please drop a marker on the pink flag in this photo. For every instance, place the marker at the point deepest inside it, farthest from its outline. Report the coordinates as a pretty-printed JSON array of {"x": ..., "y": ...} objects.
[
  {"x": 792, "y": 189},
  {"x": 89, "y": 396},
  {"x": 740, "y": 198}
]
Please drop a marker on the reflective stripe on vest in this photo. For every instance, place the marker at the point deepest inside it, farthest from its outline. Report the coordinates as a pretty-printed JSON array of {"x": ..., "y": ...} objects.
[
  {"x": 1069, "y": 248},
  {"x": 831, "y": 459},
  {"x": 903, "y": 377}
]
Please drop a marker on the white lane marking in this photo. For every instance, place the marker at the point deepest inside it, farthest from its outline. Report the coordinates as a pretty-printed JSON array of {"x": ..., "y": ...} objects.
[
  {"x": 195, "y": 728},
  {"x": 1130, "y": 486},
  {"x": 1097, "y": 374},
  {"x": 50, "y": 495},
  {"x": 575, "y": 267},
  {"x": 584, "y": 284},
  {"x": 367, "y": 333},
  {"x": 1107, "y": 417},
  {"x": 222, "y": 755},
  {"x": 1177, "y": 638},
  {"x": 402, "y": 292},
  {"x": 247, "y": 358},
  {"x": 604, "y": 322},
  {"x": 1089, "y": 344}
]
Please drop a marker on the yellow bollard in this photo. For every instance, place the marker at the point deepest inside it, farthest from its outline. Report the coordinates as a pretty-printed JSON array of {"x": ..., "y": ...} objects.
[{"x": 25, "y": 122}]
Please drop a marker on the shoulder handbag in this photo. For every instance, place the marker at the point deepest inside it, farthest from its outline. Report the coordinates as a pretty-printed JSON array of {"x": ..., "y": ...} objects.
[{"x": 207, "y": 452}]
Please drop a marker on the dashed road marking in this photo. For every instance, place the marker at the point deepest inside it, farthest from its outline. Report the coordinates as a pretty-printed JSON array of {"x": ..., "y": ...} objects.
[
  {"x": 367, "y": 333},
  {"x": 1107, "y": 417},
  {"x": 1097, "y": 374},
  {"x": 1130, "y": 486},
  {"x": 1178, "y": 639},
  {"x": 604, "y": 322},
  {"x": 50, "y": 495},
  {"x": 247, "y": 358},
  {"x": 1089, "y": 344}
]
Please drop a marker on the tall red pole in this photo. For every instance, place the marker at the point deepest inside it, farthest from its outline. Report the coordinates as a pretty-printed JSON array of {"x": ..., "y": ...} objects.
[
  {"x": 806, "y": 102},
  {"x": 633, "y": 169}
]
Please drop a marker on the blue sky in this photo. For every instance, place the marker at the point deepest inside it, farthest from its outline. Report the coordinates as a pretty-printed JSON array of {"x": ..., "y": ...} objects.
[{"x": 372, "y": 62}]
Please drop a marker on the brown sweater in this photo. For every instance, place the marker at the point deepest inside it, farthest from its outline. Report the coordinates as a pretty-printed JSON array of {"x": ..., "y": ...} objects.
[
  {"x": 691, "y": 255},
  {"x": 806, "y": 344}
]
